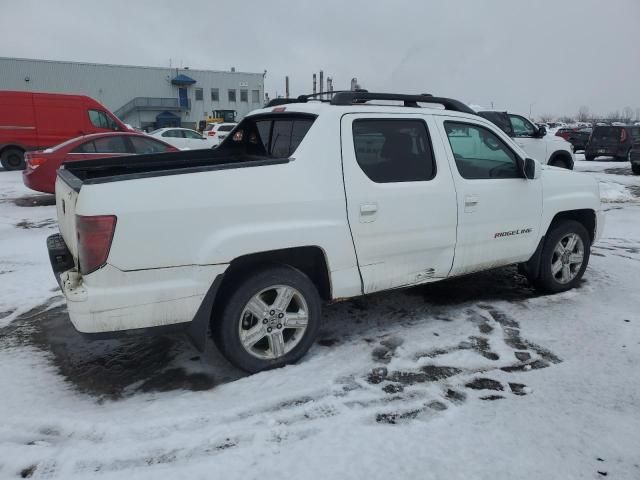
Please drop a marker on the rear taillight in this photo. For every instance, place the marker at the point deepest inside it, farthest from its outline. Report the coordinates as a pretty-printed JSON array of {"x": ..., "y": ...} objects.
[
  {"x": 35, "y": 162},
  {"x": 211, "y": 133},
  {"x": 623, "y": 135},
  {"x": 95, "y": 234}
]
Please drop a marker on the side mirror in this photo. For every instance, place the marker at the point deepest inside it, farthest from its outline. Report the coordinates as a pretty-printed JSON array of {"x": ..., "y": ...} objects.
[
  {"x": 542, "y": 131},
  {"x": 531, "y": 169}
]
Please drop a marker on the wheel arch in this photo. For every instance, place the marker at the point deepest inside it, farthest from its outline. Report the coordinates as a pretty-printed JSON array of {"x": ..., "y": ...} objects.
[
  {"x": 563, "y": 156},
  {"x": 311, "y": 260},
  {"x": 586, "y": 217}
]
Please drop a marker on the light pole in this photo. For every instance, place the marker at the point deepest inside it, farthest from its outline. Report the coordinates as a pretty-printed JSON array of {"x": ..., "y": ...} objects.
[{"x": 530, "y": 107}]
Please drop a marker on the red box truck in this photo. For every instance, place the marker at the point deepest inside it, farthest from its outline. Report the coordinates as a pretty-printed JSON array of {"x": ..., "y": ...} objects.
[{"x": 34, "y": 121}]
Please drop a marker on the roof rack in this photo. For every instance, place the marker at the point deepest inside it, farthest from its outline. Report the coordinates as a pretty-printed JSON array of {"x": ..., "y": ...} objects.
[
  {"x": 318, "y": 96},
  {"x": 349, "y": 98}
]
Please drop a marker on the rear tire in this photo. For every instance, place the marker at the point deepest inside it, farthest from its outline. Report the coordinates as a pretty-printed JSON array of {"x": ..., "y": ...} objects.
[
  {"x": 635, "y": 169},
  {"x": 280, "y": 331},
  {"x": 12, "y": 159},
  {"x": 589, "y": 158},
  {"x": 564, "y": 258}
]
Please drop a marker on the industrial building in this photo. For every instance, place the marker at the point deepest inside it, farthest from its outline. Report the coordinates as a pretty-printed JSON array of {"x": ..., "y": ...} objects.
[{"x": 145, "y": 97}]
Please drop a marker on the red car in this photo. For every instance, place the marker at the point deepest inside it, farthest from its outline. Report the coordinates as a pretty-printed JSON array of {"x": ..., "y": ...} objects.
[
  {"x": 40, "y": 173},
  {"x": 34, "y": 121}
]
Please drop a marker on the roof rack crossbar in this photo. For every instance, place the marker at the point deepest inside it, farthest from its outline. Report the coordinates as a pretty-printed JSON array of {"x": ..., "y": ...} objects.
[{"x": 349, "y": 98}]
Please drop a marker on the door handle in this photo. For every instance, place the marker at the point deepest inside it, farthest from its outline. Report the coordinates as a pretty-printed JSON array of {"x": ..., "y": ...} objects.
[
  {"x": 470, "y": 203},
  {"x": 368, "y": 212}
]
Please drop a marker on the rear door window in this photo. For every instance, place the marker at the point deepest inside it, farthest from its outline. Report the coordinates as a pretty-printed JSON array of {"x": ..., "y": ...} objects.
[
  {"x": 86, "y": 147},
  {"x": 114, "y": 144},
  {"x": 391, "y": 150},
  {"x": 143, "y": 145}
]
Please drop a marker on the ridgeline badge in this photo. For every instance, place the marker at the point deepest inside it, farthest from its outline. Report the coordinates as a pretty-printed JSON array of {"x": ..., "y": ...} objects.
[{"x": 511, "y": 233}]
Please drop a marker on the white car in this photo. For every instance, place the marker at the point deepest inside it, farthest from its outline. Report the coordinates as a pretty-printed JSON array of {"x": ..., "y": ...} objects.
[
  {"x": 216, "y": 132},
  {"x": 183, "y": 138},
  {"x": 549, "y": 149},
  {"x": 310, "y": 202}
]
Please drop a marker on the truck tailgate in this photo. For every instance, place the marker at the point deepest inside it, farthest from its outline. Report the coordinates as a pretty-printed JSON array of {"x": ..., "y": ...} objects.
[{"x": 66, "y": 198}]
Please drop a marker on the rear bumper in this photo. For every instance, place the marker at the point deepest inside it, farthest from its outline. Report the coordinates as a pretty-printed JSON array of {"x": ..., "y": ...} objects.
[
  {"x": 110, "y": 302},
  {"x": 606, "y": 151}
]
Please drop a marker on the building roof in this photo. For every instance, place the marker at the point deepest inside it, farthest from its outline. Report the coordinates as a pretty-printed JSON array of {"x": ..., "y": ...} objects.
[{"x": 116, "y": 65}]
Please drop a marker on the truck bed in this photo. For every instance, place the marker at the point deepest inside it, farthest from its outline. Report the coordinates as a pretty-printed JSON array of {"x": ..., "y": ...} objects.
[{"x": 114, "y": 169}]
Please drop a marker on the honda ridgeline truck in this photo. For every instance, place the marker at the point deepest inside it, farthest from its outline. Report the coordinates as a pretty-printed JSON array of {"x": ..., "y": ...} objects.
[{"x": 308, "y": 202}]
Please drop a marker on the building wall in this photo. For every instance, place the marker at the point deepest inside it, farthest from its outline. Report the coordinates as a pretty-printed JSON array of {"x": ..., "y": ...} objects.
[{"x": 115, "y": 85}]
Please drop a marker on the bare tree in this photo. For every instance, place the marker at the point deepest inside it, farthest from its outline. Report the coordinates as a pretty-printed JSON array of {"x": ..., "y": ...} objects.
[
  {"x": 627, "y": 114},
  {"x": 613, "y": 116},
  {"x": 546, "y": 117},
  {"x": 637, "y": 114},
  {"x": 567, "y": 119},
  {"x": 583, "y": 114}
]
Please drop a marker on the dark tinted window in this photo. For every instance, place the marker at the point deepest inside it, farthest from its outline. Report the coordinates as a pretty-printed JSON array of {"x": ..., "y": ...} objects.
[
  {"x": 267, "y": 136},
  {"x": 215, "y": 95},
  {"x": 87, "y": 147},
  {"x": 110, "y": 145},
  {"x": 608, "y": 133},
  {"x": 199, "y": 94},
  {"x": 479, "y": 153},
  {"x": 635, "y": 132},
  {"x": 500, "y": 119},
  {"x": 143, "y": 145},
  {"x": 393, "y": 150},
  {"x": 225, "y": 128}
]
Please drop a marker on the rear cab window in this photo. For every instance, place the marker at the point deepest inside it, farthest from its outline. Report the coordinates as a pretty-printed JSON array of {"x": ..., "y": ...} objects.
[
  {"x": 267, "y": 136},
  {"x": 607, "y": 133}
]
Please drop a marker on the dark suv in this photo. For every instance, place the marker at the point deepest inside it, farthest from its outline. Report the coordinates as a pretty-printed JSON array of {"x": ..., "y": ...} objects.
[{"x": 611, "y": 141}]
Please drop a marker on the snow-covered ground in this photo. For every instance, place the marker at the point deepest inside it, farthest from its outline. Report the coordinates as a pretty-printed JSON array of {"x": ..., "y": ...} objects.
[{"x": 473, "y": 378}]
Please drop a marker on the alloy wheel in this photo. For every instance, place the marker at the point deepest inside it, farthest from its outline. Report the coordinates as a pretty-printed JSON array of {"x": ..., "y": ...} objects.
[
  {"x": 273, "y": 322},
  {"x": 567, "y": 258}
]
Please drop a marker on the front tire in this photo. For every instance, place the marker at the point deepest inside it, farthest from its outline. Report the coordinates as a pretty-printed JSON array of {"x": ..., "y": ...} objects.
[
  {"x": 270, "y": 320},
  {"x": 564, "y": 258},
  {"x": 589, "y": 158},
  {"x": 635, "y": 169},
  {"x": 12, "y": 159}
]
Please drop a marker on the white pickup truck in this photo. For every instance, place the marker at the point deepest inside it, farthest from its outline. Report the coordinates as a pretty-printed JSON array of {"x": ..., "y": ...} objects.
[
  {"x": 548, "y": 149},
  {"x": 309, "y": 202}
]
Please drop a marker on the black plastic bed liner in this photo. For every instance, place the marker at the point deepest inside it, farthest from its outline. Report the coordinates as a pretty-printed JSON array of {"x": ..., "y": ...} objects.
[{"x": 114, "y": 169}]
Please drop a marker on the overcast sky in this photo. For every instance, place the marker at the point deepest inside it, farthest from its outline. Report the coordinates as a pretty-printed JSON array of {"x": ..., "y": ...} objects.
[{"x": 552, "y": 56}]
